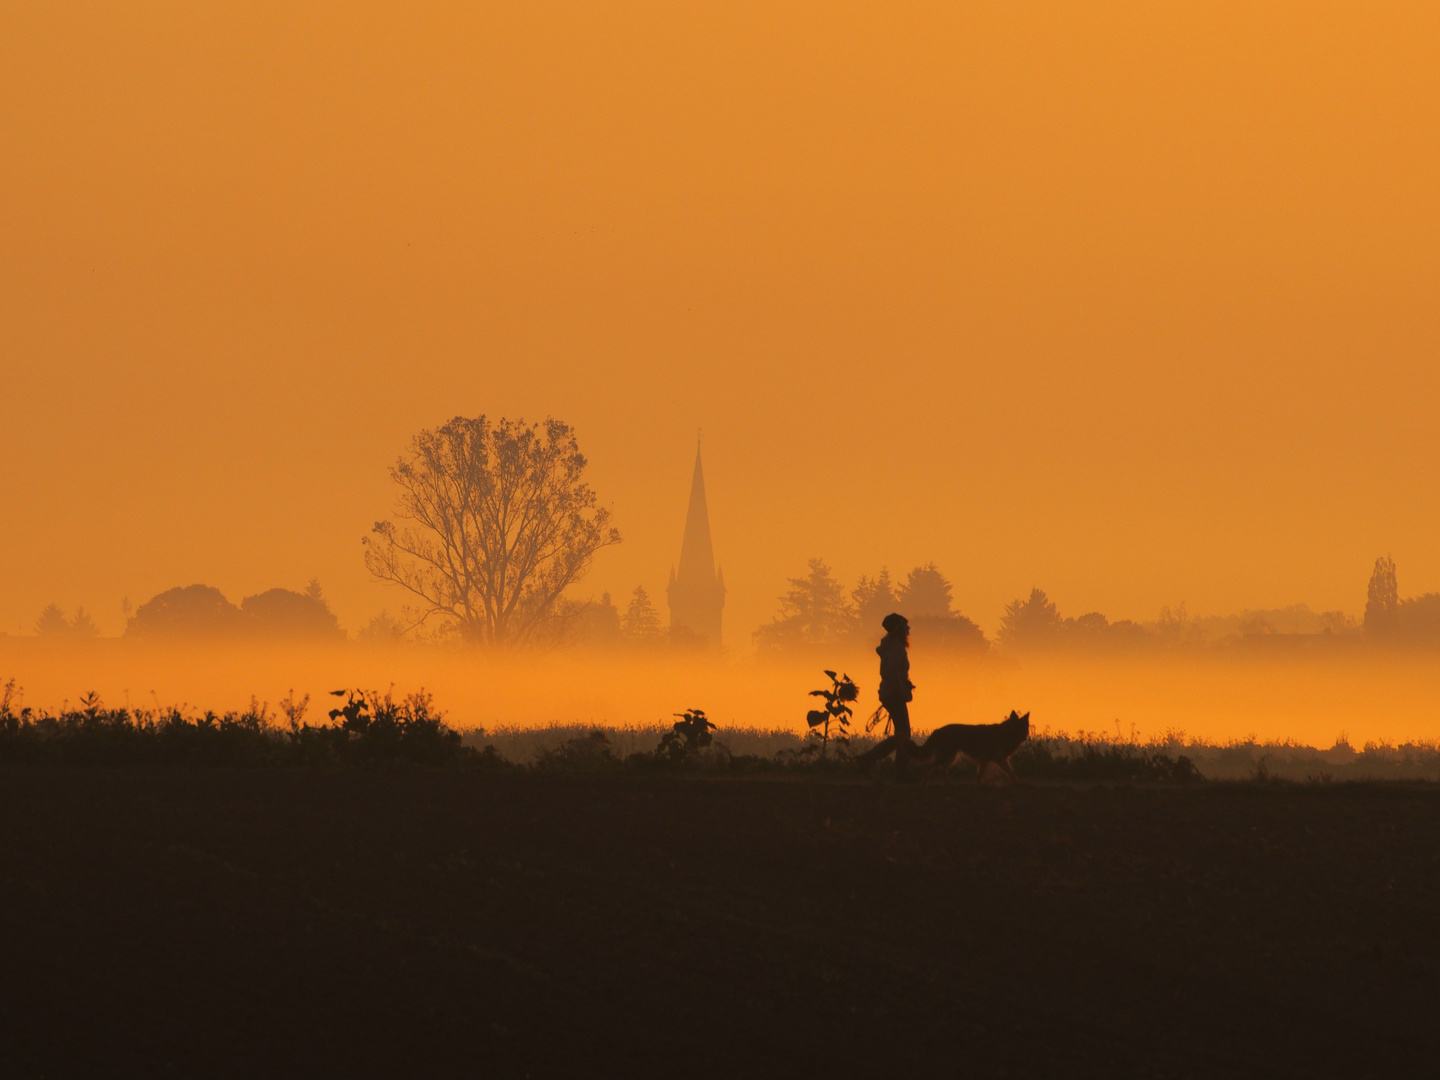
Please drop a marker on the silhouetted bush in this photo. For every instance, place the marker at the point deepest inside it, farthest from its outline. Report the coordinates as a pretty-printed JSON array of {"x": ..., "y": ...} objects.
[
  {"x": 684, "y": 743},
  {"x": 839, "y": 707},
  {"x": 368, "y": 728},
  {"x": 583, "y": 753}
]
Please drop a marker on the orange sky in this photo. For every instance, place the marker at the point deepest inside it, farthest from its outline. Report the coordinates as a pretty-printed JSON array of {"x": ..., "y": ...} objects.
[{"x": 1136, "y": 302}]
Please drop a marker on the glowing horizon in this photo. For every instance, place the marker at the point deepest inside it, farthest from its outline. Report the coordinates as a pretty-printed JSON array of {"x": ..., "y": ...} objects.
[{"x": 1132, "y": 305}]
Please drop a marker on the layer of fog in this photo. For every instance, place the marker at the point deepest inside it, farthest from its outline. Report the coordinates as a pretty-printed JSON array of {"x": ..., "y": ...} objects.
[{"x": 1310, "y": 697}]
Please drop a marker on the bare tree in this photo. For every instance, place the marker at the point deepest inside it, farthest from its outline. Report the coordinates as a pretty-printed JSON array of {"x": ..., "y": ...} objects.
[{"x": 500, "y": 523}]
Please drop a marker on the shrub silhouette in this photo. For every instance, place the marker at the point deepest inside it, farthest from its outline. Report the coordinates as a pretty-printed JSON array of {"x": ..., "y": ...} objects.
[
  {"x": 682, "y": 744},
  {"x": 838, "y": 710},
  {"x": 371, "y": 728},
  {"x": 378, "y": 728},
  {"x": 583, "y": 753}
]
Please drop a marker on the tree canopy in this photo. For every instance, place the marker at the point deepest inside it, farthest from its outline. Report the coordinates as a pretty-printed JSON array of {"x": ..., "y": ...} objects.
[
  {"x": 925, "y": 594},
  {"x": 641, "y": 622},
  {"x": 496, "y": 522},
  {"x": 1030, "y": 622},
  {"x": 813, "y": 611},
  {"x": 53, "y": 623},
  {"x": 202, "y": 611}
]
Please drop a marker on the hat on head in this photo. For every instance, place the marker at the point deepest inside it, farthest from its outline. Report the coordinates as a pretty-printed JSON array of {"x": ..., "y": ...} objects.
[{"x": 895, "y": 623}]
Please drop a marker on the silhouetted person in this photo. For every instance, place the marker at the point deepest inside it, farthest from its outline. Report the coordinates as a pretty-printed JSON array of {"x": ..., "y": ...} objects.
[{"x": 896, "y": 692}]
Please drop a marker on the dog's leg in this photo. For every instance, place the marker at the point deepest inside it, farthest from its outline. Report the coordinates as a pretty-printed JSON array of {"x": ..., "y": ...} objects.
[{"x": 1004, "y": 763}]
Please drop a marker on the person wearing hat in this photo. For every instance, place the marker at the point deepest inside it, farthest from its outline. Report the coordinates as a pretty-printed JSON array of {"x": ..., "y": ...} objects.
[{"x": 896, "y": 692}]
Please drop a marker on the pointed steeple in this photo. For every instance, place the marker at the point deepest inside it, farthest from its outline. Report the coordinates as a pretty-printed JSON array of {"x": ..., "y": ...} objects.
[
  {"x": 697, "y": 591},
  {"x": 697, "y": 554}
]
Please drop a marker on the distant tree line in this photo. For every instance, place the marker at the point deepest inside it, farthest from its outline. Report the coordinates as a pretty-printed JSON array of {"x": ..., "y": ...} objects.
[
  {"x": 201, "y": 611},
  {"x": 638, "y": 626},
  {"x": 53, "y": 623},
  {"x": 817, "y": 609}
]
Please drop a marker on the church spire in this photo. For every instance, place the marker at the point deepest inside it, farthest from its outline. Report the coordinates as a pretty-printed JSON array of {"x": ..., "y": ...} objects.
[
  {"x": 697, "y": 554},
  {"x": 697, "y": 591}
]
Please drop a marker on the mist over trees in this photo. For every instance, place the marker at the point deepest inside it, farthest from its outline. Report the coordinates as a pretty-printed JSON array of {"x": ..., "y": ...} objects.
[
  {"x": 282, "y": 613},
  {"x": 53, "y": 623},
  {"x": 382, "y": 629},
  {"x": 202, "y": 612},
  {"x": 1388, "y": 618},
  {"x": 817, "y": 610},
  {"x": 1035, "y": 624},
  {"x": 814, "y": 610},
  {"x": 496, "y": 523},
  {"x": 596, "y": 621},
  {"x": 641, "y": 624}
]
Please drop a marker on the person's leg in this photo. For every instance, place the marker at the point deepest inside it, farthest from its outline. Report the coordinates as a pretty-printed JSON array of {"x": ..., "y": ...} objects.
[{"x": 900, "y": 716}]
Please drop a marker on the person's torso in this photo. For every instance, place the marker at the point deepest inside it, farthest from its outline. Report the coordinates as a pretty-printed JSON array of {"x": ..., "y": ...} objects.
[{"x": 894, "y": 670}]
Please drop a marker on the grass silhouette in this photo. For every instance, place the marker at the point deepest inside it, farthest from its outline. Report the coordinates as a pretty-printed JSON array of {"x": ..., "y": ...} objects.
[{"x": 371, "y": 727}]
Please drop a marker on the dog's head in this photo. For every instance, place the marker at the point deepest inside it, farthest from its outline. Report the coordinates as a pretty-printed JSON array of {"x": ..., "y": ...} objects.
[{"x": 1015, "y": 720}]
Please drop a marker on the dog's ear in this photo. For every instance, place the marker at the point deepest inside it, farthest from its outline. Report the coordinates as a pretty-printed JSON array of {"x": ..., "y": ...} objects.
[
  {"x": 1026, "y": 718},
  {"x": 1013, "y": 715}
]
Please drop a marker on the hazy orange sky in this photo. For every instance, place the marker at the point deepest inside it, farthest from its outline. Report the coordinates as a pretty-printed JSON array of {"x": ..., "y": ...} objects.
[{"x": 1136, "y": 302}]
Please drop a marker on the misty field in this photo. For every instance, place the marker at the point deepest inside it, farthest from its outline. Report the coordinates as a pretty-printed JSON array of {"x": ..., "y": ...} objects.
[
  {"x": 435, "y": 922},
  {"x": 1312, "y": 698}
]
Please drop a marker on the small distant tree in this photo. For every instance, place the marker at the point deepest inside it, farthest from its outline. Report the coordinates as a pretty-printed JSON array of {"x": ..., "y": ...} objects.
[
  {"x": 382, "y": 629},
  {"x": 925, "y": 594},
  {"x": 871, "y": 600},
  {"x": 595, "y": 622},
  {"x": 1382, "y": 600},
  {"x": 1176, "y": 627},
  {"x": 814, "y": 610},
  {"x": 497, "y": 522},
  {"x": 641, "y": 622},
  {"x": 925, "y": 599},
  {"x": 1031, "y": 622},
  {"x": 52, "y": 622},
  {"x": 1336, "y": 622},
  {"x": 81, "y": 625}
]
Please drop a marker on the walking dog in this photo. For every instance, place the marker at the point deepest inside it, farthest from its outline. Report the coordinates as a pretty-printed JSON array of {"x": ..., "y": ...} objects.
[{"x": 983, "y": 744}]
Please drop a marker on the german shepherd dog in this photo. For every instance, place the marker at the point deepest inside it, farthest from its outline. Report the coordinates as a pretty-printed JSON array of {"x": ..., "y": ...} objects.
[{"x": 981, "y": 743}]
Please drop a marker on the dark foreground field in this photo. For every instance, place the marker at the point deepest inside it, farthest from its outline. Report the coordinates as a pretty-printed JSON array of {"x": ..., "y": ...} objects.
[{"x": 193, "y": 922}]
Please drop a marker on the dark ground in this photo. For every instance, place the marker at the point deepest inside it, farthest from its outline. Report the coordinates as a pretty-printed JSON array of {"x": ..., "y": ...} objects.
[{"x": 207, "y": 923}]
